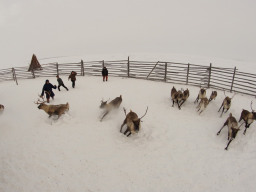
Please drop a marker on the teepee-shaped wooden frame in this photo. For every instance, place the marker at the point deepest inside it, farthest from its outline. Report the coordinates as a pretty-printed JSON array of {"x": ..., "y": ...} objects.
[{"x": 34, "y": 65}]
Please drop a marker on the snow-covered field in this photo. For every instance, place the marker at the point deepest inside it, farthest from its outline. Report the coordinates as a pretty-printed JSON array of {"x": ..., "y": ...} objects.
[{"x": 176, "y": 150}]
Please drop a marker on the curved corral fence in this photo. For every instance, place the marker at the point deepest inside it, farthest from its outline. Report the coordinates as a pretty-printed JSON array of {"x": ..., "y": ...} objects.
[{"x": 229, "y": 79}]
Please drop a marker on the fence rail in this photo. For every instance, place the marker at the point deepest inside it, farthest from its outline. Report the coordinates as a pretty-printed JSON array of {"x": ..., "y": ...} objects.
[{"x": 229, "y": 79}]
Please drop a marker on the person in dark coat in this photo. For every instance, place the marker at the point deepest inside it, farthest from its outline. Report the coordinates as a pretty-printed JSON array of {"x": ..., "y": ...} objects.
[
  {"x": 47, "y": 89},
  {"x": 72, "y": 76},
  {"x": 60, "y": 83},
  {"x": 105, "y": 73}
]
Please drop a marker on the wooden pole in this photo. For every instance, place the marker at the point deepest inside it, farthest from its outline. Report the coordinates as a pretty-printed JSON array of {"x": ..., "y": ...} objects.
[
  {"x": 103, "y": 65},
  {"x": 128, "y": 67},
  {"x": 33, "y": 73},
  {"x": 187, "y": 74},
  {"x": 209, "y": 77},
  {"x": 57, "y": 68},
  {"x": 165, "y": 72},
  {"x": 233, "y": 79},
  {"x": 82, "y": 67}
]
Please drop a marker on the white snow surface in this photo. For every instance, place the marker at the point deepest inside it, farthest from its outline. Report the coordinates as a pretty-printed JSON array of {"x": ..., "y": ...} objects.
[{"x": 175, "y": 150}]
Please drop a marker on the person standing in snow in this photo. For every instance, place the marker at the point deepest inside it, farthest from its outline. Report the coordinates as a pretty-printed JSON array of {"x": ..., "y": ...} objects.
[
  {"x": 60, "y": 83},
  {"x": 47, "y": 89},
  {"x": 72, "y": 76},
  {"x": 105, "y": 73}
]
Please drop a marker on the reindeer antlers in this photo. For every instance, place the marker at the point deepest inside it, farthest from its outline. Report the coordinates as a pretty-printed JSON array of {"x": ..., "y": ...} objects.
[
  {"x": 232, "y": 96},
  {"x": 38, "y": 100},
  {"x": 251, "y": 106},
  {"x": 124, "y": 111},
  {"x": 145, "y": 113}
]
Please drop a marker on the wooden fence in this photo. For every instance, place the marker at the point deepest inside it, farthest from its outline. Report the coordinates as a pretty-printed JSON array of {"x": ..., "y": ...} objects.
[{"x": 229, "y": 79}]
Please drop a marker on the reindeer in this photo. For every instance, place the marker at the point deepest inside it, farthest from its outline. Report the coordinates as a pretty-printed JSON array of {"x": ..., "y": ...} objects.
[
  {"x": 1, "y": 107},
  {"x": 185, "y": 96},
  {"x": 232, "y": 128},
  {"x": 53, "y": 109},
  {"x": 132, "y": 121},
  {"x": 176, "y": 97},
  {"x": 202, "y": 104},
  {"x": 226, "y": 104},
  {"x": 213, "y": 96},
  {"x": 201, "y": 94},
  {"x": 115, "y": 103},
  {"x": 248, "y": 118}
]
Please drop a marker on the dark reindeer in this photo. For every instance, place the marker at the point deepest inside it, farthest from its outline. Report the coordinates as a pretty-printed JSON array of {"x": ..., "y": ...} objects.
[
  {"x": 115, "y": 103},
  {"x": 213, "y": 96},
  {"x": 133, "y": 122},
  {"x": 248, "y": 118},
  {"x": 176, "y": 97},
  {"x": 201, "y": 94},
  {"x": 226, "y": 104},
  {"x": 1, "y": 107},
  {"x": 232, "y": 128}
]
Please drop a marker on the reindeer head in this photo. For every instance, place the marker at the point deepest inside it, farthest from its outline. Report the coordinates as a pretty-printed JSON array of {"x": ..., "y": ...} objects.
[
  {"x": 1, "y": 107},
  {"x": 203, "y": 91},
  {"x": 136, "y": 124},
  {"x": 228, "y": 99},
  {"x": 234, "y": 132},
  {"x": 103, "y": 104},
  {"x": 186, "y": 93}
]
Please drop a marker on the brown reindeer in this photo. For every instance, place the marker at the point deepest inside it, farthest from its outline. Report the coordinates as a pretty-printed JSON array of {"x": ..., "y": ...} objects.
[
  {"x": 133, "y": 122},
  {"x": 226, "y": 104},
  {"x": 176, "y": 97},
  {"x": 201, "y": 94},
  {"x": 232, "y": 128},
  {"x": 115, "y": 103},
  {"x": 248, "y": 118},
  {"x": 202, "y": 104},
  {"x": 185, "y": 96},
  {"x": 1, "y": 107},
  {"x": 213, "y": 96},
  {"x": 53, "y": 109}
]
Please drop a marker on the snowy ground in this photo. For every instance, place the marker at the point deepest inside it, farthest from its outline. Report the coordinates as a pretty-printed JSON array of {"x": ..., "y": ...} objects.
[{"x": 176, "y": 150}]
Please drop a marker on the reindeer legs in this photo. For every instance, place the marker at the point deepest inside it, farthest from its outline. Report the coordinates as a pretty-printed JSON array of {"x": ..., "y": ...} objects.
[
  {"x": 196, "y": 101},
  {"x": 220, "y": 107},
  {"x": 127, "y": 130},
  {"x": 122, "y": 126},
  {"x": 228, "y": 144},
  {"x": 104, "y": 115}
]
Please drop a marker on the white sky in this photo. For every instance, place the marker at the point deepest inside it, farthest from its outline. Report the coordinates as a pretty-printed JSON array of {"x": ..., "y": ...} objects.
[{"x": 52, "y": 28}]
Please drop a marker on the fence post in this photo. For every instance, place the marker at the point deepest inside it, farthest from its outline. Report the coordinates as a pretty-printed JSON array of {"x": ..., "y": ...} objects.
[
  {"x": 57, "y": 68},
  {"x": 128, "y": 67},
  {"x": 103, "y": 64},
  {"x": 233, "y": 79},
  {"x": 82, "y": 67},
  {"x": 33, "y": 73},
  {"x": 14, "y": 76},
  {"x": 187, "y": 73},
  {"x": 209, "y": 77},
  {"x": 165, "y": 72}
]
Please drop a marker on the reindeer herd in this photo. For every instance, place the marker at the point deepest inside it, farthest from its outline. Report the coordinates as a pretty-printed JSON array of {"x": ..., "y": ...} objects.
[
  {"x": 181, "y": 96},
  {"x": 133, "y": 122}
]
